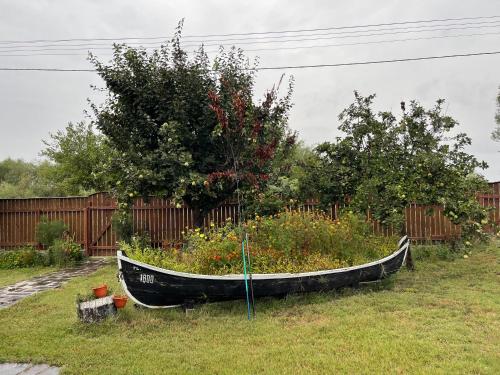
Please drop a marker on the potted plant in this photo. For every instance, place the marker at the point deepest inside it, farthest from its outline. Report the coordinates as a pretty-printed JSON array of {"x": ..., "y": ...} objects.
[
  {"x": 100, "y": 291},
  {"x": 120, "y": 301}
]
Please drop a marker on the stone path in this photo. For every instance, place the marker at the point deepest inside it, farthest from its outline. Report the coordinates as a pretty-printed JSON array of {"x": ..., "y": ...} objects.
[
  {"x": 27, "y": 369},
  {"x": 15, "y": 292}
]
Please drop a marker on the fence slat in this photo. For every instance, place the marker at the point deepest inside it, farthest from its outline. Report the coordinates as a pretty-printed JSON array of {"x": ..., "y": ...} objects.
[{"x": 89, "y": 219}]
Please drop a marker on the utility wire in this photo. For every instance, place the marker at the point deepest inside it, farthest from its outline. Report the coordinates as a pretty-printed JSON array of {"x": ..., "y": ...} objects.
[
  {"x": 356, "y": 33},
  {"x": 256, "y": 38},
  {"x": 345, "y": 36},
  {"x": 272, "y": 49},
  {"x": 347, "y": 27},
  {"x": 262, "y": 42},
  {"x": 354, "y": 63},
  {"x": 381, "y": 61},
  {"x": 367, "y": 43},
  {"x": 251, "y": 33},
  {"x": 47, "y": 70}
]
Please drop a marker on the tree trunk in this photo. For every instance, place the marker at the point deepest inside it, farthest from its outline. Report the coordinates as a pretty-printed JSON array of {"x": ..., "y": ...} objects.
[
  {"x": 96, "y": 310},
  {"x": 198, "y": 217}
]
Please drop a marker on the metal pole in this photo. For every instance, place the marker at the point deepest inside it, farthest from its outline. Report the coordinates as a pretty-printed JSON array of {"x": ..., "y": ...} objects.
[
  {"x": 245, "y": 276},
  {"x": 250, "y": 275}
]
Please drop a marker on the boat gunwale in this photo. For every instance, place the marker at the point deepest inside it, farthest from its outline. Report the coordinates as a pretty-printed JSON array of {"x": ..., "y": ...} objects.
[{"x": 403, "y": 245}]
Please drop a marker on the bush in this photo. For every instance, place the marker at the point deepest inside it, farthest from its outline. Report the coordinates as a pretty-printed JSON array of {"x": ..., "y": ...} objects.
[
  {"x": 65, "y": 252},
  {"x": 24, "y": 257},
  {"x": 444, "y": 251},
  {"x": 49, "y": 231},
  {"x": 286, "y": 242},
  {"x": 123, "y": 224},
  {"x": 62, "y": 253}
]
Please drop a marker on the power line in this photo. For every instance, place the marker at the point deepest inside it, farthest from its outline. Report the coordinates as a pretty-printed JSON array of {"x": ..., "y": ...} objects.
[
  {"x": 381, "y": 61},
  {"x": 354, "y": 63},
  {"x": 259, "y": 38},
  {"x": 251, "y": 33},
  {"x": 367, "y": 43},
  {"x": 348, "y": 27},
  {"x": 352, "y": 33},
  {"x": 47, "y": 70},
  {"x": 272, "y": 49},
  {"x": 265, "y": 41},
  {"x": 346, "y": 36}
]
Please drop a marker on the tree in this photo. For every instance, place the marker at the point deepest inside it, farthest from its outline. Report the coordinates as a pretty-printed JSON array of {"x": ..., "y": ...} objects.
[
  {"x": 496, "y": 133},
  {"x": 383, "y": 164},
  {"x": 184, "y": 129},
  {"x": 79, "y": 156},
  {"x": 21, "y": 179},
  {"x": 287, "y": 184}
]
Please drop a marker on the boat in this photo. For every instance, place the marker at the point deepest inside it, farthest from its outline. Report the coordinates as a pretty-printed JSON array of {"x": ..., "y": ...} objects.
[{"x": 155, "y": 287}]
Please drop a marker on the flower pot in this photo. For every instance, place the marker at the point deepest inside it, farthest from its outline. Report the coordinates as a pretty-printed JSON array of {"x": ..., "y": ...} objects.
[
  {"x": 120, "y": 301},
  {"x": 100, "y": 291}
]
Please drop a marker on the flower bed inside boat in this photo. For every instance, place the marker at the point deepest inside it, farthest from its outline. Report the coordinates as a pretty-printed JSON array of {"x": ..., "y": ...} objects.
[{"x": 287, "y": 242}]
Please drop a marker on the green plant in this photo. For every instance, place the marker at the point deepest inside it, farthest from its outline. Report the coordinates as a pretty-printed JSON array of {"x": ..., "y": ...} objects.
[
  {"x": 442, "y": 319},
  {"x": 20, "y": 179},
  {"x": 496, "y": 132},
  {"x": 290, "y": 241},
  {"x": 47, "y": 232},
  {"x": 449, "y": 250},
  {"x": 122, "y": 222},
  {"x": 65, "y": 252},
  {"x": 24, "y": 257},
  {"x": 384, "y": 163},
  {"x": 79, "y": 155},
  {"x": 84, "y": 297},
  {"x": 90, "y": 296},
  {"x": 196, "y": 141}
]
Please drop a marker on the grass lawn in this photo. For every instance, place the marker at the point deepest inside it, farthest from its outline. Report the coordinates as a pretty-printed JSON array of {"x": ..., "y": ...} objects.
[
  {"x": 442, "y": 318},
  {"x": 12, "y": 276}
]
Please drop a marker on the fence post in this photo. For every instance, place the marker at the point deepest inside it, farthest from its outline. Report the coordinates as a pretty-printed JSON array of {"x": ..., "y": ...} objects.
[{"x": 86, "y": 226}]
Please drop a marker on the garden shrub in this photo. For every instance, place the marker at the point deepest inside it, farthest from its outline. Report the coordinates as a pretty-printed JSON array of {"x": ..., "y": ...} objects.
[
  {"x": 49, "y": 231},
  {"x": 122, "y": 223},
  {"x": 65, "y": 252},
  {"x": 287, "y": 242},
  {"x": 444, "y": 250},
  {"x": 24, "y": 257}
]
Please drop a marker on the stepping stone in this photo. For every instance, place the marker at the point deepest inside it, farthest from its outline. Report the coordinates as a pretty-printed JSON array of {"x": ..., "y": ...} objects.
[
  {"x": 27, "y": 369},
  {"x": 13, "y": 368},
  {"x": 12, "y": 293},
  {"x": 41, "y": 370}
]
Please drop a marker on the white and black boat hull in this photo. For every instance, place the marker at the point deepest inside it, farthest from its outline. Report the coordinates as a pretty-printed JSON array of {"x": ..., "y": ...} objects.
[{"x": 155, "y": 287}]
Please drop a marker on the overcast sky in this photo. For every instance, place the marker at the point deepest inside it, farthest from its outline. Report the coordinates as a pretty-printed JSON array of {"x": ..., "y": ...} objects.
[{"x": 32, "y": 104}]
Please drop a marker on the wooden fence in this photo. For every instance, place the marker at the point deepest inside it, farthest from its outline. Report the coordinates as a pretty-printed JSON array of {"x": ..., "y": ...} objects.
[{"x": 89, "y": 219}]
